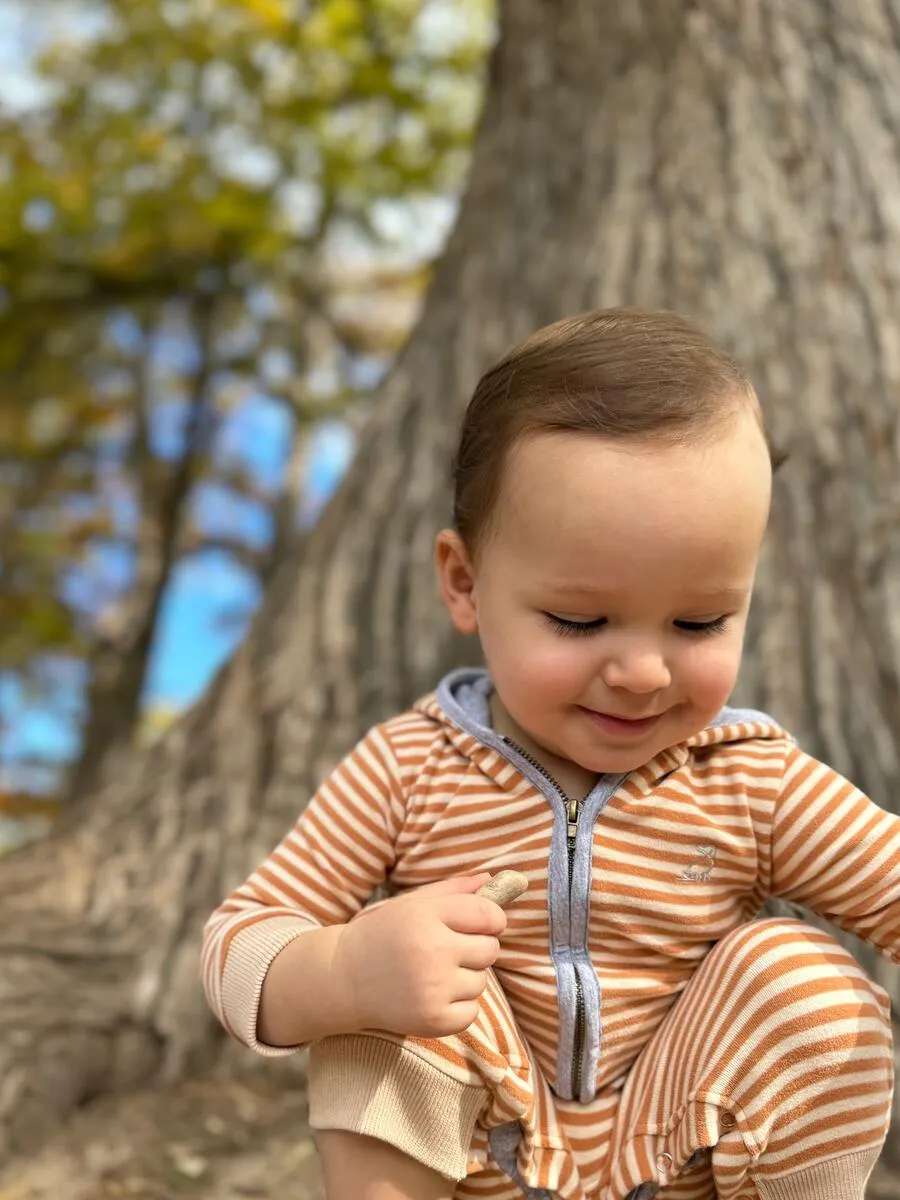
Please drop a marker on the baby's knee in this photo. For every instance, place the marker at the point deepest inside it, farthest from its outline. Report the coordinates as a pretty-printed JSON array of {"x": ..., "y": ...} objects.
[
  {"x": 798, "y": 1036},
  {"x": 789, "y": 949},
  {"x": 793, "y": 975}
]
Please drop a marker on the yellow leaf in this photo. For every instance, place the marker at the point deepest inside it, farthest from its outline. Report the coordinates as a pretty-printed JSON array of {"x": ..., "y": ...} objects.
[
  {"x": 154, "y": 723},
  {"x": 72, "y": 192},
  {"x": 333, "y": 21},
  {"x": 271, "y": 13},
  {"x": 151, "y": 141}
]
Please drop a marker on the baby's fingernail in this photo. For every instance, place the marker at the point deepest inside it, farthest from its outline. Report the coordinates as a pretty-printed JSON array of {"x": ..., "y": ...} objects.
[{"x": 505, "y": 887}]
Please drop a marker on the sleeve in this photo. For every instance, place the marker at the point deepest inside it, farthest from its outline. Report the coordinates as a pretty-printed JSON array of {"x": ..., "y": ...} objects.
[
  {"x": 321, "y": 873},
  {"x": 835, "y": 851}
]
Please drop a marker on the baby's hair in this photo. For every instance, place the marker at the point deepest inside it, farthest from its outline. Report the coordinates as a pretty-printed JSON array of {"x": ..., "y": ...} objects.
[{"x": 627, "y": 373}]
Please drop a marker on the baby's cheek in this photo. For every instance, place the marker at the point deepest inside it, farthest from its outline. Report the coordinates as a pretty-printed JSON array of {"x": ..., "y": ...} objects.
[
  {"x": 714, "y": 673},
  {"x": 553, "y": 668},
  {"x": 533, "y": 679}
]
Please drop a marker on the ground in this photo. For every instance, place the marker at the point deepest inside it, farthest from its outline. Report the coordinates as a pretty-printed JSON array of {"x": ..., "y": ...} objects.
[{"x": 211, "y": 1138}]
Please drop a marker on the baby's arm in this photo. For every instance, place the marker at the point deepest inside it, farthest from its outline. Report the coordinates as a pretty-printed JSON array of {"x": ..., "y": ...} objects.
[
  {"x": 303, "y": 997},
  {"x": 292, "y": 956},
  {"x": 836, "y": 851},
  {"x": 323, "y": 872}
]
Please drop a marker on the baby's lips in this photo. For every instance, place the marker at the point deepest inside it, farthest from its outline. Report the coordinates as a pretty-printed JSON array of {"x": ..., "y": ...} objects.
[{"x": 504, "y": 887}]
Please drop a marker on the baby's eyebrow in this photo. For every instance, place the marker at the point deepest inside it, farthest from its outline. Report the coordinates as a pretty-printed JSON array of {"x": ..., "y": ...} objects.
[
  {"x": 698, "y": 596},
  {"x": 723, "y": 595}
]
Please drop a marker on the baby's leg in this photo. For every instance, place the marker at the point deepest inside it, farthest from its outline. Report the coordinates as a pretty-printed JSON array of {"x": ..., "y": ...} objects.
[
  {"x": 771, "y": 1077},
  {"x": 399, "y": 1117},
  {"x": 365, "y": 1168}
]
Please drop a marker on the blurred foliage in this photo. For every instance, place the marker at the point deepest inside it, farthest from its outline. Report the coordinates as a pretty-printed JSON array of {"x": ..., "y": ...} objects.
[{"x": 211, "y": 208}]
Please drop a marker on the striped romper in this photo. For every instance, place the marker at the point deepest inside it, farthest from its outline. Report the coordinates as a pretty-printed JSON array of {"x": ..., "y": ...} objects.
[{"x": 642, "y": 1032}]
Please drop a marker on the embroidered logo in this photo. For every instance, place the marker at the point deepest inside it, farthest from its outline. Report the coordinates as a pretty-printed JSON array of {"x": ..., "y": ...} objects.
[{"x": 700, "y": 871}]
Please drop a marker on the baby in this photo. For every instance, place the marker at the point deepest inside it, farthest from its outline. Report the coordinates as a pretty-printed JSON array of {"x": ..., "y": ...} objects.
[{"x": 629, "y": 1026}]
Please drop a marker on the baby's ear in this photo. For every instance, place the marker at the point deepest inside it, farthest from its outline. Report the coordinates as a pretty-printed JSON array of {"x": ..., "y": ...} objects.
[{"x": 456, "y": 579}]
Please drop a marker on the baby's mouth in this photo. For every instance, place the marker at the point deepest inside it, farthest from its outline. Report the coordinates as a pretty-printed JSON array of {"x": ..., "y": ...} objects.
[{"x": 613, "y": 723}]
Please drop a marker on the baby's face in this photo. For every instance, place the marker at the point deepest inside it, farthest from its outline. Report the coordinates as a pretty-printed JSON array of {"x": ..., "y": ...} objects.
[{"x": 611, "y": 597}]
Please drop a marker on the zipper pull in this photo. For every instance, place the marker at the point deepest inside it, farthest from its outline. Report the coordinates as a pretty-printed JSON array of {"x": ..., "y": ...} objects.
[{"x": 572, "y": 825}]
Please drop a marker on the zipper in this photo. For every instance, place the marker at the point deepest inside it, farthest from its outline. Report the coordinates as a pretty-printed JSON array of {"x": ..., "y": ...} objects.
[
  {"x": 571, "y": 833},
  {"x": 573, "y": 809},
  {"x": 578, "y": 1049}
]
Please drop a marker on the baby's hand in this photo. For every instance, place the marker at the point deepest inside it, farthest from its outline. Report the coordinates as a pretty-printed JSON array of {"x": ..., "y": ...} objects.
[{"x": 418, "y": 963}]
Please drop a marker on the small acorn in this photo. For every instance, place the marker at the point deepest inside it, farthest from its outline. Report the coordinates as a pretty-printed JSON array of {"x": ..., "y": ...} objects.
[{"x": 504, "y": 887}]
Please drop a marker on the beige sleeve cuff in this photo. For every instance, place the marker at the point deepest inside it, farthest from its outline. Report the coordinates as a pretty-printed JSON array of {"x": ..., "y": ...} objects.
[
  {"x": 367, "y": 1084},
  {"x": 250, "y": 954}
]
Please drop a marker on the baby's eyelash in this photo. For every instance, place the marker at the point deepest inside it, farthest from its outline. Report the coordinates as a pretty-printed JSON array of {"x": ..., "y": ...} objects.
[
  {"x": 716, "y": 626},
  {"x": 585, "y": 628},
  {"x": 574, "y": 628}
]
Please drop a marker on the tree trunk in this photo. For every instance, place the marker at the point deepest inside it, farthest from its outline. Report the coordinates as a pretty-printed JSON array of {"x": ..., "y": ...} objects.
[
  {"x": 735, "y": 160},
  {"x": 125, "y": 633}
]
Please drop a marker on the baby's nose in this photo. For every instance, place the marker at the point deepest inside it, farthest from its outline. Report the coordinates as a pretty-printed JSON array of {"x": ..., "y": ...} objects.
[{"x": 641, "y": 673}]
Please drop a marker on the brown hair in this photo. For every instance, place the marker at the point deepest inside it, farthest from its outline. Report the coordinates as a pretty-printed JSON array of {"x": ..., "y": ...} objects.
[{"x": 618, "y": 373}]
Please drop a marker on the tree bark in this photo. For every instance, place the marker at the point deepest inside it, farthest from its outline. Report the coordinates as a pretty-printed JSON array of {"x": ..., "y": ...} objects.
[{"x": 735, "y": 160}]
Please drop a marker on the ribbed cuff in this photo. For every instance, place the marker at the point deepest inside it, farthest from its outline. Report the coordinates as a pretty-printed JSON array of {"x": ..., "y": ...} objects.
[
  {"x": 841, "y": 1178},
  {"x": 366, "y": 1084},
  {"x": 250, "y": 954}
]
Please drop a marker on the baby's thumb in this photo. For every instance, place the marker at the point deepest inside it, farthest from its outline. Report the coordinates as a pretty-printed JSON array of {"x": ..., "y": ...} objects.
[{"x": 456, "y": 885}]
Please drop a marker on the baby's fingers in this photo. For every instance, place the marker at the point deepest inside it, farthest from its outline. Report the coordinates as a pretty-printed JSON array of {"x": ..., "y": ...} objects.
[
  {"x": 469, "y": 984},
  {"x": 478, "y": 952}
]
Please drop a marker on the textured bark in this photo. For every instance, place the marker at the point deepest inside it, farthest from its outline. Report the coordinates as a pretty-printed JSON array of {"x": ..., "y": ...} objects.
[{"x": 736, "y": 160}]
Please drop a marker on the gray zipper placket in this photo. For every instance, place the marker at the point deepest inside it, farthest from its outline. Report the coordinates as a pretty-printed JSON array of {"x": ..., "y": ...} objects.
[
  {"x": 569, "y": 908},
  {"x": 568, "y": 903},
  {"x": 578, "y": 988}
]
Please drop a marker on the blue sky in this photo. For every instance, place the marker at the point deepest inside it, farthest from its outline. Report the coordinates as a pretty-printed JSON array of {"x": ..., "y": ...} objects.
[{"x": 191, "y": 644}]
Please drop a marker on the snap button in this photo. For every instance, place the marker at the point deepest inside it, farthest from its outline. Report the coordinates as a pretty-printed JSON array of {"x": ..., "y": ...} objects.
[{"x": 727, "y": 1121}]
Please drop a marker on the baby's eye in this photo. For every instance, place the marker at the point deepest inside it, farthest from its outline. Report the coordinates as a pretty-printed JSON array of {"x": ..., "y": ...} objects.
[
  {"x": 715, "y": 626},
  {"x": 573, "y": 628}
]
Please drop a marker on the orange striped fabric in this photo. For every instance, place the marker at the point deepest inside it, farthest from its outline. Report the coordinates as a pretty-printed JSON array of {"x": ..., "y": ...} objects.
[{"x": 684, "y": 854}]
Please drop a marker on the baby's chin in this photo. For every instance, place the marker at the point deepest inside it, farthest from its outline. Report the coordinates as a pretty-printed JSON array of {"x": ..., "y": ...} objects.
[{"x": 618, "y": 760}]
